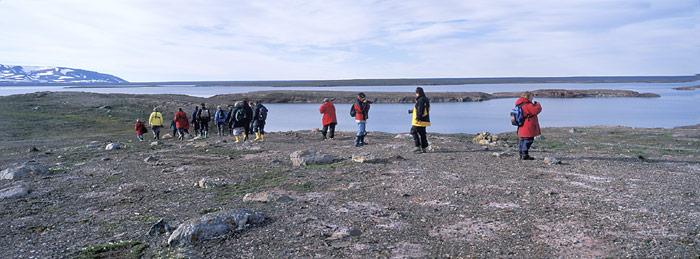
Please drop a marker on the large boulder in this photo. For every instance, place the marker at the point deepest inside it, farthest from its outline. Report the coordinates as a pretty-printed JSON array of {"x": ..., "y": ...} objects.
[
  {"x": 24, "y": 170},
  {"x": 214, "y": 225},
  {"x": 306, "y": 157},
  {"x": 15, "y": 191}
]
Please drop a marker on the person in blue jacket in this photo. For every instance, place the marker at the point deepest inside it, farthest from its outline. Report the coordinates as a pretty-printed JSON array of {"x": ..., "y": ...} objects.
[{"x": 220, "y": 119}]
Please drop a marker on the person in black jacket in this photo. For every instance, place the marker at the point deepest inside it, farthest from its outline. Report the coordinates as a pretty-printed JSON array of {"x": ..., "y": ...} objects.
[
  {"x": 247, "y": 119},
  {"x": 259, "y": 117},
  {"x": 421, "y": 120}
]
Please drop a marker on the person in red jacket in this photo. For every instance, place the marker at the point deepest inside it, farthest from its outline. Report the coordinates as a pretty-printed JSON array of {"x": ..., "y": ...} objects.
[
  {"x": 531, "y": 126},
  {"x": 360, "y": 110},
  {"x": 140, "y": 129},
  {"x": 181, "y": 123},
  {"x": 329, "y": 120}
]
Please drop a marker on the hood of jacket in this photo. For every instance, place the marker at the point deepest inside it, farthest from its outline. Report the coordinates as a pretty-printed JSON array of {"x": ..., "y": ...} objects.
[{"x": 521, "y": 100}]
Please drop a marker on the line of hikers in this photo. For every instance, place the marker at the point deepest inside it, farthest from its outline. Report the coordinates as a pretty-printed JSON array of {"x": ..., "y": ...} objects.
[{"x": 242, "y": 119}]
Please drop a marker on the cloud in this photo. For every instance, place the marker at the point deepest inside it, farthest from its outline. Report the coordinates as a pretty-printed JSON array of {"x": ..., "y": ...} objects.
[{"x": 256, "y": 40}]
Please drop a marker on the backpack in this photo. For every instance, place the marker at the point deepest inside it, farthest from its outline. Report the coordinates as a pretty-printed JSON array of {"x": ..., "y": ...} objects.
[
  {"x": 239, "y": 115},
  {"x": 203, "y": 116},
  {"x": 352, "y": 110},
  {"x": 517, "y": 117},
  {"x": 262, "y": 113}
]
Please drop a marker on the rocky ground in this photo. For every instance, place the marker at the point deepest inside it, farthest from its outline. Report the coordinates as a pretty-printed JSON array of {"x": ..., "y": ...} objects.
[{"x": 592, "y": 192}]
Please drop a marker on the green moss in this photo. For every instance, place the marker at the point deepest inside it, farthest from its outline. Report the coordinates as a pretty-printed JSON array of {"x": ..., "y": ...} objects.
[
  {"x": 121, "y": 249},
  {"x": 301, "y": 187},
  {"x": 257, "y": 183}
]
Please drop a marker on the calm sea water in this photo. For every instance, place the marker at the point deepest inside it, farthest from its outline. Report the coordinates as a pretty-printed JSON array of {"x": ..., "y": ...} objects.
[{"x": 673, "y": 108}]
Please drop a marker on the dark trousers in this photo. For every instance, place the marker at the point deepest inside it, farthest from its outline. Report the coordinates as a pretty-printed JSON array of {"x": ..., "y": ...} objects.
[
  {"x": 204, "y": 126},
  {"x": 419, "y": 136},
  {"x": 156, "y": 131},
  {"x": 246, "y": 130},
  {"x": 326, "y": 129},
  {"x": 524, "y": 145},
  {"x": 220, "y": 128},
  {"x": 259, "y": 126}
]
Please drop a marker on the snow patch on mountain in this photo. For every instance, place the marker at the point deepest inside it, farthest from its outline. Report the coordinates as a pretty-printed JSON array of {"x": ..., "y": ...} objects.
[{"x": 43, "y": 74}]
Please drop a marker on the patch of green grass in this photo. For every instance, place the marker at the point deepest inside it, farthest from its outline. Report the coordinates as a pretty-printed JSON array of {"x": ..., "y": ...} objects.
[
  {"x": 301, "y": 187},
  {"x": 257, "y": 183},
  {"x": 208, "y": 210},
  {"x": 323, "y": 167},
  {"x": 58, "y": 169},
  {"x": 550, "y": 144},
  {"x": 121, "y": 249},
  {"x": 112, "y": 179},
  {"x": 147, "y": 218}
]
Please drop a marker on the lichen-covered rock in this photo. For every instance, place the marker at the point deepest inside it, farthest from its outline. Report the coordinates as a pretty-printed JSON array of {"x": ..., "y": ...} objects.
[
  {"x": 23, "y": 170},
  {"x": 306, "y": 157},
  {"x": 214, "y": 225},
  {"x": 485, "y": 138},
  {"x": 207, "y": 182}
]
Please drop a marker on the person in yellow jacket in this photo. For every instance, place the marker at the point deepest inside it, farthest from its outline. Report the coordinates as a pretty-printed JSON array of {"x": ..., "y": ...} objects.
[
  {"x": 420, "y": 120},
  {"x": 156, "y": 122}
]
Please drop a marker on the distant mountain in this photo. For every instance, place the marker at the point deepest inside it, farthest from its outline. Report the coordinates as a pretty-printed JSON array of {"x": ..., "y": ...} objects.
[{"x": 33, "y": 74}]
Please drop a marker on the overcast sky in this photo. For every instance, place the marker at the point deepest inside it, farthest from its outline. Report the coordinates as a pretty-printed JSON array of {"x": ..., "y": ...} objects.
[{"x": 175, "y": 40}]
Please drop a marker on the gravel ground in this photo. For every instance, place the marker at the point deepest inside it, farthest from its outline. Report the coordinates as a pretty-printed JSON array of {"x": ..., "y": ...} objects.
[{"x": 618, "y": 192}]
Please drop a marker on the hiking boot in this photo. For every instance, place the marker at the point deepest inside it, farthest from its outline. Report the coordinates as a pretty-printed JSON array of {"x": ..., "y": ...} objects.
[
  {"x": 424, "y": 150},
  {"x": 417, "y": 150},
  {"x": 528, "y": 157},
  {"x": 357, "y": 141}
]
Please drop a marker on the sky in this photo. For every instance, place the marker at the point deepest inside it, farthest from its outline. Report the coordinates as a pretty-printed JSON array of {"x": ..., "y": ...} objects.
[{"x": 202, "y": 40}]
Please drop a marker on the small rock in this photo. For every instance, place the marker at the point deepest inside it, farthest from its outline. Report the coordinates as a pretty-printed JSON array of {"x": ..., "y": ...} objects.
[
  {"x": 106, "y": 159},
  {"x": 113, "y": 146},
  {"x": 155, "y": 143},
  {"x": 368, "y": 158},
  {"x": 501, "y": 154},
  {"x": 263, "y": 197},
  {"x": 33, "y": 149},
  {"x": 552, "y": 161},
  {"x": 16, "y": 191},
  {"x": 306, "y": 157},
  {"x": 266, "y": 197},
  {"x": 214, "y": 225},
  {"x": 210, "y": 183},
  {"x": 344, "y": 232},
  {"x": 150, "y": 159},
  {"x": 166, "y": 136}
]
